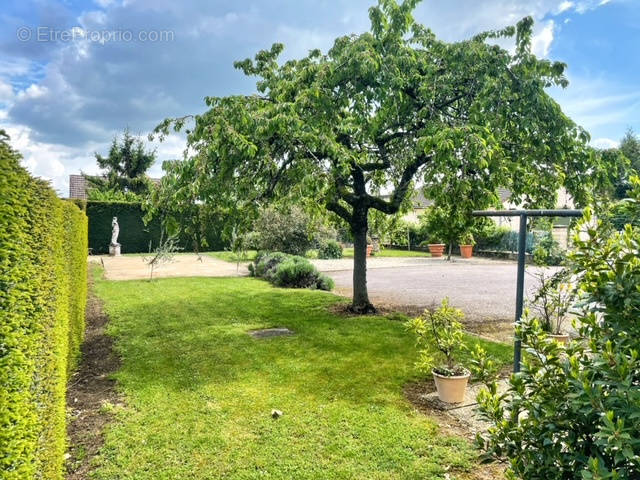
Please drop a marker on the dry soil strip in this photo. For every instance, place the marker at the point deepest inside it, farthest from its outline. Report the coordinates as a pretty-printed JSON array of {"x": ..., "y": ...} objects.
[{"x": 90, "y": 392}]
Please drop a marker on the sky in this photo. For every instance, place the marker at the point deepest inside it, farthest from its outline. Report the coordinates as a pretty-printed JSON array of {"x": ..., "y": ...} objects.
[{"x": 74, "y": 73}]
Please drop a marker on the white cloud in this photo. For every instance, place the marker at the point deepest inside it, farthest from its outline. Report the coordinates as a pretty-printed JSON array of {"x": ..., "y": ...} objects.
[
  {"x": 6, "y": 92},
  {"x": 33, "y": 91},
  {"x": 564, "y": 6},
  {"x": 541, "y": 41},
  {"x": 604, "y": 143}
]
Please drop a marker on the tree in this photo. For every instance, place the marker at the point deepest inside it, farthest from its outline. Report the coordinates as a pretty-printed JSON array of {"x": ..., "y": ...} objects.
[
  {"x": 124, "y": 168},
  {"x": 289, "y": 232},
  {"x": 630, "y": 147},
  {"x": 380, "y": 110}
]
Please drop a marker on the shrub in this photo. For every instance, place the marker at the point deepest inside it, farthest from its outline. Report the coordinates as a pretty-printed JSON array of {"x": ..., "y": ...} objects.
[
  {"x": 295, "y": 272},
  {"x": 265, "y": 264},
  {"x": 547, "y": 251},
  {"x": 330, "y": 249},
  {"x": 43, "y": 275},
  {"x": 467, "y": 239},
  {"x": 290, "y": 232},
  {"x": 622, "y": 213},
  {"x": 573, "y": 413},
  {"x": 290, "y": 271}
]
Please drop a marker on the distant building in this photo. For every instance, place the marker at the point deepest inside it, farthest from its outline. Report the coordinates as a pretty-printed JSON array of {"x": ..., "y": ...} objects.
[
  {"x": 419, "y": 204},
  {"x": 79, "y": 185}
]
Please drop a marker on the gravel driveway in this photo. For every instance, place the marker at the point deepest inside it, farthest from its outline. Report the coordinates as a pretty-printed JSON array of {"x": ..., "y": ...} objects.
[{"x": 484, "y": 289}]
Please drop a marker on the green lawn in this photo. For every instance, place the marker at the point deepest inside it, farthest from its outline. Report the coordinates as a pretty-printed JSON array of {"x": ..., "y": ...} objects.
[
  {"x": 199, "y": 391},
  {"x": 390, "y": 252},
  {"x": 228, "y": 256}
]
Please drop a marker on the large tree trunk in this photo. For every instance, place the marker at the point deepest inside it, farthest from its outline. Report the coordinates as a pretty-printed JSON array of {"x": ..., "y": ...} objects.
[{"x": 359, "y": 228}]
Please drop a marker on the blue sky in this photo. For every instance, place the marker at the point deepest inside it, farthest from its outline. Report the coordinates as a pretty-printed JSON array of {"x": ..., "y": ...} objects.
[{"x": 75, "y": 73}]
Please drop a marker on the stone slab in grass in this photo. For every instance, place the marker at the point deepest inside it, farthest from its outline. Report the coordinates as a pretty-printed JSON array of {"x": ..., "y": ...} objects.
[{"x": 270, "y": 332}]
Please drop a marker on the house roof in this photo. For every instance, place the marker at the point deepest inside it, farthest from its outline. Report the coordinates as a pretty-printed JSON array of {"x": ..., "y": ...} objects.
[{"x": 78, "y": 186}]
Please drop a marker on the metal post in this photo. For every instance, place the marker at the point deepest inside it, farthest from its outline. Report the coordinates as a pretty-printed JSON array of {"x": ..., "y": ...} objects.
[{"x": 522, "y": 246}]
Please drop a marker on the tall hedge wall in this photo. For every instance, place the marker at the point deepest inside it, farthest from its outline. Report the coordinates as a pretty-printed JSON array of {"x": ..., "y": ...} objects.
[
  {"x": 135, "y": 236},
  {"x": 43, "y": 282}
]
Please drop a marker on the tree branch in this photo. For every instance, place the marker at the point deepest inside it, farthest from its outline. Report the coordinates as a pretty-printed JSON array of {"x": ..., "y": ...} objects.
[
  {"x": 342, "y": 212},
  {"x": 399, "y": 194}
]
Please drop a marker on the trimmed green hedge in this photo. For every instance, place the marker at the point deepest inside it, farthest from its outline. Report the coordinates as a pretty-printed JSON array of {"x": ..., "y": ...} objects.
[
  {"x": 135, "y": 236},
  {"x": 43, "y": 282}
]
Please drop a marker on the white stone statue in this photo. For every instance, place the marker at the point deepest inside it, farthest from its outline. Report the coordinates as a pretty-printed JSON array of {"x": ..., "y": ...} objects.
[{"x": 115, "y": 230}]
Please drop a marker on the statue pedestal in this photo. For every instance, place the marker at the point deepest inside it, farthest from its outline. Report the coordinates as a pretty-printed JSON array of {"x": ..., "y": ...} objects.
[{"x": 114, "y": 250}]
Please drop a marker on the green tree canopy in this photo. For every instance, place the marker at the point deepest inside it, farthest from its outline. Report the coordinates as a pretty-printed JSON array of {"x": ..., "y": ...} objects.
[
  {"x": 124, "y": 168},
  {"x": 381, "y": 110},
  {"x": 630, "y": 147}
]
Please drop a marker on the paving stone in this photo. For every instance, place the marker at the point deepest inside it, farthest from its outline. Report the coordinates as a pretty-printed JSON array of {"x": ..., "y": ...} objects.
[{"x": 270, "y": 332}]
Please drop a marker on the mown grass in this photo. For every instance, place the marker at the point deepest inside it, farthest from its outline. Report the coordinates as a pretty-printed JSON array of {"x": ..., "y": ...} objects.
[{"x": 199, "y": 391}]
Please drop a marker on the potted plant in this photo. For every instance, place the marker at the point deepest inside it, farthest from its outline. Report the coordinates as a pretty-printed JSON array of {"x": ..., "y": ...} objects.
[
  {"x": 440, "y": 336},
  {"x": 369, "y": 246},
  {"x": 436, "y": 247},
  {"x": 551, "y": 304},
  {"x": 466, "y": 245}
]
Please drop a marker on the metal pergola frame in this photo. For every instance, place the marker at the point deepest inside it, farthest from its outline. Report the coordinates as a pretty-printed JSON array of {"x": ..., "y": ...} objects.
[{"x": 522, "y": 245}]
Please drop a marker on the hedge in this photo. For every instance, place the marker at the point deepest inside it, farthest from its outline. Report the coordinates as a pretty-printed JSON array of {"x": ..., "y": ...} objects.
[
  {"x": 135, "y": 236},
  {"x": 43, "y": 282}
]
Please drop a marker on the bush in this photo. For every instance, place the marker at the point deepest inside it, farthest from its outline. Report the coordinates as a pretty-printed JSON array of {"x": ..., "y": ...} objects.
[
  {"x": 265, "y": 264},
  {"x": 43, "y": 282},
  {"x": 330, "y": 249},
  {"x": 573, "y": 413},
  {"x": 290, "y": 271},
  {"x": 622, "y": 213},
  {"x": 547, "y": 251},
  {"x": 290, "y": 232}
]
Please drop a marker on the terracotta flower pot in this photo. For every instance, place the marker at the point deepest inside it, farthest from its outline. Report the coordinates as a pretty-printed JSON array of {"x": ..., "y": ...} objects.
[
  {"x": 436, "y": 249},
  {"x": 562, "y": 338},
  {"x": 451, "y": 389},
  {"x": 466, "y": 251},
  {"x": 369, "y": 250}
]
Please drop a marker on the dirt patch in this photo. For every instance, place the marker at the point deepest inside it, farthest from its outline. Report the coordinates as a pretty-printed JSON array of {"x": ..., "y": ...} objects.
[
  {"x": 394, "y": 312},
  {"x": 90, "y": 392},
  {"x": 449, "y": 424},
  {"x": 496, "y": 331}
]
